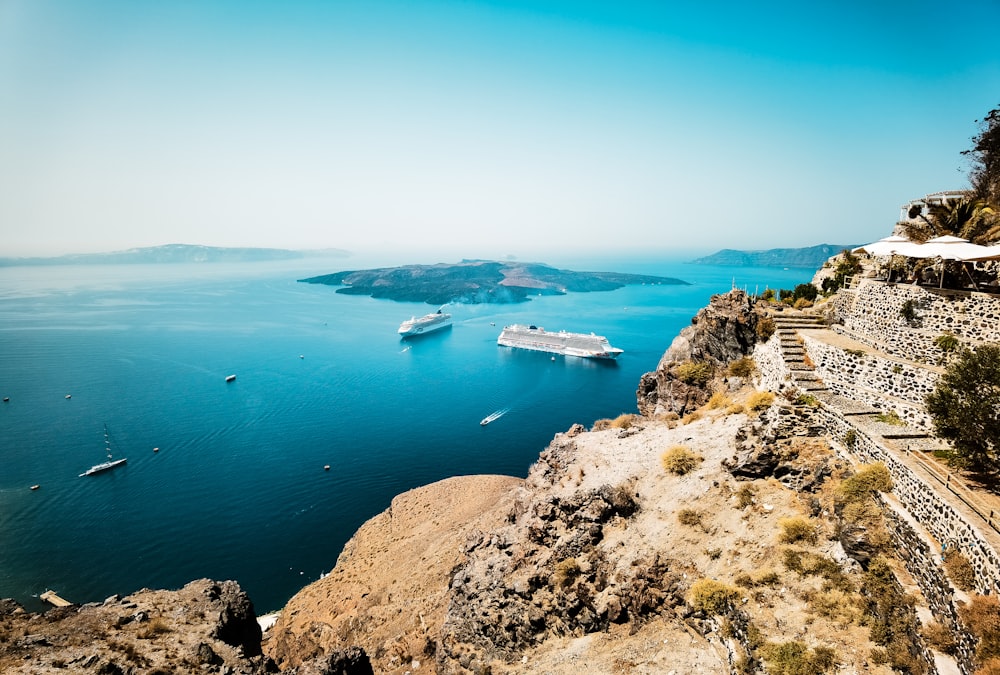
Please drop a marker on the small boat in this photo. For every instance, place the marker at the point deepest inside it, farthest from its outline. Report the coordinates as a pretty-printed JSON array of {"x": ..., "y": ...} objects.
[
  {"x": 105, "y": 466},
  {"x": 35, "y": 487},
  {"x": 493, "y": 416},
  {"x": 230, "y": 378}
]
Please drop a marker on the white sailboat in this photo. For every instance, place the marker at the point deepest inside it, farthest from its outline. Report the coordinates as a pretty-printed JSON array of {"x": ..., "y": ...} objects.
[{"x": 104, "y": 466}]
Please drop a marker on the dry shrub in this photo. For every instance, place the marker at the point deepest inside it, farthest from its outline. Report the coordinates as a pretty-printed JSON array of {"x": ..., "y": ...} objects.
[
  {"x": 691, "y": 417},
  {"x": 735, "y": 409},
  {"x": 711, "y": 596},
  {"x": 765, "y": 328},
  {"x": 743, "y": 367},
  {"x": 762, "y": 578},
  {"x": 759, "y": 400},
  {"x": 565, "y": 572},
  {"x": 155, "y": 627},
  {"x": 796, "y": 529},
  {"x": 867, "y": 480},
  {"x": 625, "y": 421},
  {"x": 940, "y": 638},
  {"x": 802, "y": 303},
  {"x": 795, "y": 658},
  {"x": 982, "y": 616},
  {"x": 601, "y": 424},
  {"x": 814, "y": 564},
  {"x": 959, "y": 569},
  {"x": 990, "y": 667},
  {"x": 678, "y": 460},
  {"x": 689, "y": 517},
  {"x": 694, "y": 373},
  {"x": 719, "y": 400},
  {"x": 835, "y": 605},
  {"x": 745, "y": 495}
]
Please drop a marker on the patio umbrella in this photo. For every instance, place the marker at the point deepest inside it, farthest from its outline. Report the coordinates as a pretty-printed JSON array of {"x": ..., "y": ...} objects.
[{"x": 894, "y": 245}]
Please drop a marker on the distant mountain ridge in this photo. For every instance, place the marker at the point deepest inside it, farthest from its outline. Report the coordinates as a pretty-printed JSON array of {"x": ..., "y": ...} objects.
[
  {"x": 810, "y": 257},
  {"x": 176, "y": 253}
]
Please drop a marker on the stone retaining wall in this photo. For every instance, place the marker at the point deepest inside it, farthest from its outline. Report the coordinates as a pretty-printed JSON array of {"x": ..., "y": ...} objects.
[
  {"x": 772, "y": 372},
  {"x": 925, "y": 567},
  {"x": 871, "y": 313},
  {"x": 924, "y": 504},
  {"x": 871, "y": 379}
]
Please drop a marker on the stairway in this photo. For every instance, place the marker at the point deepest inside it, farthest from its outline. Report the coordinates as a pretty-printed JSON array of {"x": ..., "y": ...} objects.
[{"x": 787, "y": 326}]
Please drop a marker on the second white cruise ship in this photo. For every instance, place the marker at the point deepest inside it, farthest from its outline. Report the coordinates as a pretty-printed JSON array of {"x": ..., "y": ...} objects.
[
  {"x": 424, "y": 324},
  {"x": 583, "y": 345}
]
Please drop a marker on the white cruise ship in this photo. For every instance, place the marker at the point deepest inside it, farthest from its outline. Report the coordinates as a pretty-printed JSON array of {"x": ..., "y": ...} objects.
[
  {"x": 587, "y": 346},
  {"x": 424, "y": 324}
]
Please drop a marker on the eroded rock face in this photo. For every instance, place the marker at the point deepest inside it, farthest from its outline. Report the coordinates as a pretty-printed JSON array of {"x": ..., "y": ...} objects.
[
  {"x": 786, "y": 443},
  {"x": 545, "y": 574},
  {"x": 720, "y": 333}
]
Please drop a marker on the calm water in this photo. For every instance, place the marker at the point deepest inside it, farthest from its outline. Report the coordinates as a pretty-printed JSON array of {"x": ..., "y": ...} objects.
[{"x": 237, "y": 489}]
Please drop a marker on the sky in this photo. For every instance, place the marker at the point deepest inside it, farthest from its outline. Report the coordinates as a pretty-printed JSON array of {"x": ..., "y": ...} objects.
[{"x": 482, "y": 129}]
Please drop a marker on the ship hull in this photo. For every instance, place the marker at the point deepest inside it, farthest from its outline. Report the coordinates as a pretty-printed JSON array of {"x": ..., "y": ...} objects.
[
  {"x": 578, "y": 345},
  {"x": 425, "y": 324}
]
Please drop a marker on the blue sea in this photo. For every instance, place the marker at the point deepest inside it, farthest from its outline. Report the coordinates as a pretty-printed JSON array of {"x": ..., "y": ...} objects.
[{"x": 237, "y": 488}]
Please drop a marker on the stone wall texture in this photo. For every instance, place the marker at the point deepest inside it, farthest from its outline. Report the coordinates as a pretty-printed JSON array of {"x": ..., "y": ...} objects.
[
  {"x": 772, "y": 372},
  {"x": 880, "y": 382},
  {"x": 871, "y": 313}
]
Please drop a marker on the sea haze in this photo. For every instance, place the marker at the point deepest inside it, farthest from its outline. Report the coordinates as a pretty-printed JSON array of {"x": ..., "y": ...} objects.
[{"x": 237, "y": 489}]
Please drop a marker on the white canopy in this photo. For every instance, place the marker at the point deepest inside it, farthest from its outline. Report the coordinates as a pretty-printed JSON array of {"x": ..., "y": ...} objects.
[
  {"x": 946, "y": 248},
  {"x": 955, "y": 248},
  {"x": 894, "y": 245}
]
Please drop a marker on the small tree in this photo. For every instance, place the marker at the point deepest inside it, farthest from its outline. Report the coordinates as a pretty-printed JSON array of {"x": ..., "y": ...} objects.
[
  {"x": 965, "y": 407},
  {"x": 984, "y": 157}
]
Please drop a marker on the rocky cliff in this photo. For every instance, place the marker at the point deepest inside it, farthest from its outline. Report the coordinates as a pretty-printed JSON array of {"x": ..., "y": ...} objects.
[{"x": 690, "y": 370}]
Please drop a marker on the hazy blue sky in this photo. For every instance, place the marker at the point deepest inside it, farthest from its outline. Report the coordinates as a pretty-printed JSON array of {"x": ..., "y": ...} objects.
[{"x": 481, "y": 128}]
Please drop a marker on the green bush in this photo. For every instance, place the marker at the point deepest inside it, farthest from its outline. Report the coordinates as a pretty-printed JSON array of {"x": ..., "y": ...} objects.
[
  {"x": 695, "y": 373},
  {"x": 908, "y": 310},
  {"x": 805, "y": 292},
  {"x": 890, "y": 417},
  {"x": 947, "y": 342},
  {"x": 965, "y": 407},
  {"x": 768, "y": 295}
]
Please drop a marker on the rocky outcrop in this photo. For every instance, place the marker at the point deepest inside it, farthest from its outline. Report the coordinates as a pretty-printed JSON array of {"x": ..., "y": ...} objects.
[
  {"x": 725, "y": 330},
  {"x": 207, "y": 625}
]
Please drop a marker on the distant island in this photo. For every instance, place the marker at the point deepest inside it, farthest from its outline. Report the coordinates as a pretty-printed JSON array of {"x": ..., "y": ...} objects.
[
  {"x": 811, "y": 257},
  {"x": 477, "y": 282},
  {"x": 177, "y": 253}
]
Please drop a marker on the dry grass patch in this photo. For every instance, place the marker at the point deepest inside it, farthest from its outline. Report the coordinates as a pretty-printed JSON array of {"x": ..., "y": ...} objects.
[
  {"x": 759, "y": 400},
  {"x": 796, "y": 529},
  {"x": 679, "y": 460},
  {"x": 959, "y": 569},
  {"x": 940, "y": 638},
  {"x": 795, "y": 658},
  {"x": 625, "y": 421},
  {"x": 743, "y": 367},
  {"x": 719, "y": 400},
  {"x": 565, "y": 572},
  {"x": 712, "y": 597}
]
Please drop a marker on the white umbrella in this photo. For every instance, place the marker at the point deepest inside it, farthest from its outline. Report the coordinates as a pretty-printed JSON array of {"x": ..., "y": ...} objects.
[
  {"x": 956, "y": 248},
  {"x": 894, "y": 245}
]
